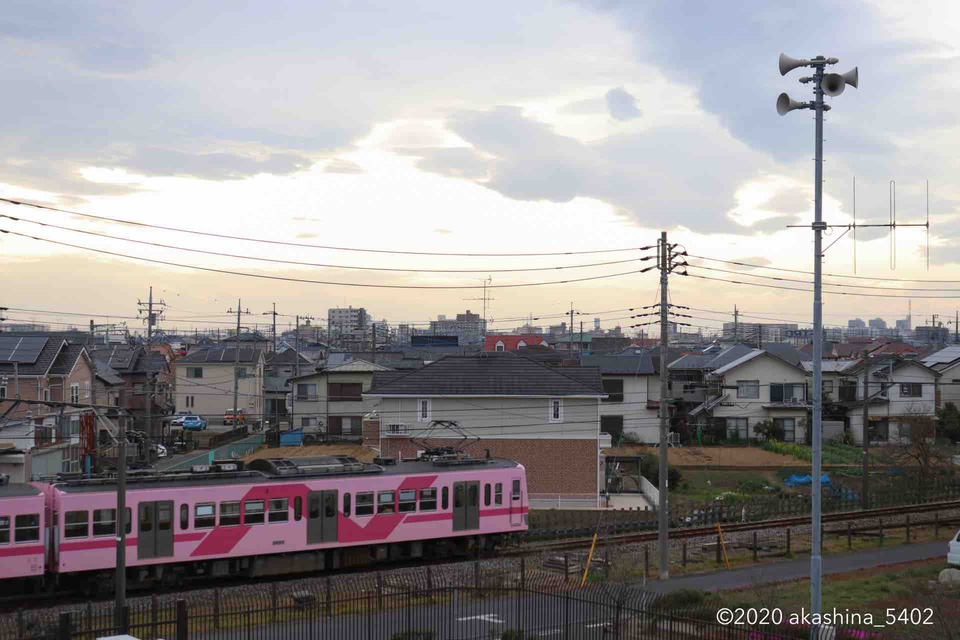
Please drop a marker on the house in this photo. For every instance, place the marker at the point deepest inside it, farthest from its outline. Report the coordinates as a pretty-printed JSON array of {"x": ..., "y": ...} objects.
[
  {"x": 900, "y": 390},
  {"x": 946, "y": 362},
  {"x": 629, "y": 383},
  {"x": 546, "y": 418},
  {"x": 249, "y": 340},
  {"x": 278, "y": 368},
  {"x": 205, "y": 378},
  {"x": 504, "y": 342},
  {"x": 143, "y": 372},
  {"x": 333, "y": 399},
  {"x": 758, "y": 386}
]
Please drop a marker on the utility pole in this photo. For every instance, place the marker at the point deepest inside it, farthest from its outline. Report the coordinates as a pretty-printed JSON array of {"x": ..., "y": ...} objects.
[
  {"x": 120, "y": 595},
  {"x": 736, "y": 323},
  {"x": 580, "y": 348},
  {"x": 152, "y": 319},
  {"x": 274, "y": 314},
  {"x": 865, "y": 498},
  {"x": 663, "y": 509},
  {"x": 236, "y": 366}
]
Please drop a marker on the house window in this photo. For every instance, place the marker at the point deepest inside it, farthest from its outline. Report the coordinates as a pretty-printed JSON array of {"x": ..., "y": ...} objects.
[
  {"x": 397, "y": 430},
  {"x": 847, "y": 390},
  {"x": 911, "y": 390},
  {"x": 104, "y": 522},
  {"x": 498, "y": 346},
  {"x": 423, "y": 410},
  {"x": 612, "y": 425},
  {"x": 307, "y": 421},
  {"x": 75, "y": 393},
  {"x": 241, "y": 372},
  {"x": 878, "y": 430},
  {"x": 827, "y": 387},
  {"x": 306, "y": 391},
  {"x": 614, "y": 390},
  {"x": 428, "y": 499},
  {"x": 86, "y": 389},
  {"x": 344, "y": 392},
  {"x": 76, "y": 524},
  {"x": 748, "y": 388},
  {"x": 789, "y": 426},
  {"x": 556, "y": 410},
  {"x": 3, "y": 395},
  {"x": 194, "y": 372},
  {"x": 787, "y": 393},
  {"x": 189, "y": 402},
  {"x": 736, "y": 428}
]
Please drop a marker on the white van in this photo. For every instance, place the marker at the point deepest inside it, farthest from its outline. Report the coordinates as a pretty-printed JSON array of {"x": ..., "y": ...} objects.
[{"x": 953, "y": 555}]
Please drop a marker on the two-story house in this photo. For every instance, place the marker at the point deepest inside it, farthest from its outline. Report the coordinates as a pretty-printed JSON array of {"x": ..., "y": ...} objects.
[
  {"x": 629, "y": 381},
  {"x": 146, "y": 378},
  {"x": 898, "y": 390},
  {"x": 946, "y": 362},
  {"x": 204, "y": 382},
  {"x": 333, "y": 399},
  {"x": 756, "y": 387},
  {"x": 278, "y": 368},
  {"x": 546, "y": 418}
]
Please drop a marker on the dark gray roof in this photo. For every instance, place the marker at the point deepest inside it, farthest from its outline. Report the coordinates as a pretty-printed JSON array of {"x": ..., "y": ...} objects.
[
  {"x": 42, "y": 364},
  {"x": 288, "y": 356},
  {"x": 106, "y": 373},
  {"x": 18, "y": 490},
  {"x": 392, "y": 359},
  {"x": 491, "y": 374},
  {"x": 785, "y": 352},
  {"x": 152, "y": 363},
  {"x": 221, "y": 355},
  {"x": 621, "y": 365},
  {"x": 66, "y": 360},
  {"x": 120, "y": 359}
]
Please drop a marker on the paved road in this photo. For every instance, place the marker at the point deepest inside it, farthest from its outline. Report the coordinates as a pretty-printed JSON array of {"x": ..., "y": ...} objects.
[{"x": 794, "y": 569}]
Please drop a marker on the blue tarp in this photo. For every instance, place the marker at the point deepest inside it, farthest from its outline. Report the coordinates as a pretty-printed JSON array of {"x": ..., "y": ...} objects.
[
  {"x": 796, "y": 481},
  {"x": 292, "y": 438}
]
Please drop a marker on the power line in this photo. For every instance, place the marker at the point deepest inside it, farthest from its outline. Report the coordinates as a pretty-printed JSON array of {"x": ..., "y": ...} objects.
[
  {"x": 826, "y": 284},
  {"x": 303, "y": 244},
  {"x": 810, "y": 273},
  {"x": 315, "y": 264},
  {"x": 321, "y": 282},
  {"x": 836, "y": 293}
]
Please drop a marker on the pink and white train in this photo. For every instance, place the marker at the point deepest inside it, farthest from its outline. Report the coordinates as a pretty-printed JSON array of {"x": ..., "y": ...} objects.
[{"x": 277, "y": 516}]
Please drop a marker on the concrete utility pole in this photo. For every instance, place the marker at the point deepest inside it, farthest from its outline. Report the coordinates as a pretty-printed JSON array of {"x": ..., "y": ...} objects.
[
  {"x": 736, "y": 323},
  {"x": 152, "y": 319},
  {"x": 663, "y": 509},
  {"x": 236, "y": 366},
  {"x": 120, "y": 596},
  {"x": 274, "y": 324}
]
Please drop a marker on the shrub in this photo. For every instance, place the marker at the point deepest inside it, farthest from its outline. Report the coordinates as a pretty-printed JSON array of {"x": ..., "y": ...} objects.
[
  {"x": 650, "y": 469},
  {"x": 788, "y": 449},
  {"x": 681, "y": 599},
  {"x": 769, "y": 430}
]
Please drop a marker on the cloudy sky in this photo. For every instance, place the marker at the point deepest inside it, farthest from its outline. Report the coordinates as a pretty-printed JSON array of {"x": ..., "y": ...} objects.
[{"x": 468, "y": 128}]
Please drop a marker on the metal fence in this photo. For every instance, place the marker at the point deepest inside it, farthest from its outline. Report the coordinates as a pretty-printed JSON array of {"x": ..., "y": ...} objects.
[{"x": 444, "y": 613}]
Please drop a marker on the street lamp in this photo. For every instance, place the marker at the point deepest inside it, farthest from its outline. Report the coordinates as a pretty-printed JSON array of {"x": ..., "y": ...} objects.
[{"x": 831, "y": 84}]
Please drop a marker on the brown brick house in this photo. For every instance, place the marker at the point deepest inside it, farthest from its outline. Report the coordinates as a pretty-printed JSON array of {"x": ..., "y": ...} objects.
[{"x": 547, "y": 419}]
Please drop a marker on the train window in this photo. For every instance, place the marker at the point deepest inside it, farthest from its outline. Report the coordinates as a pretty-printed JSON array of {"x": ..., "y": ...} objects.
[
  {"x": 516, "y": 490},
  {"x": 204, "y": 516},
  {"x": 76, "y": 524},
  {"x": 129, "y": 520},
  {"x": 4, "y": 529},
  {"x": 253, "y": 512},
  {"x": 365, "y": 504},
  {"x": 385, "y": 502},
  {"x": 445, "y": 498},
  {"x": 164, "y": 516},
  {"x": 184, "y": 516},
  {"x": 498, "y": 494},
  {"x": 428, "y": 499},
  {"x": 313, "y": 506},
  {"x": 486, "y": 495},
  {"x": 104, "y": 522},
  {"x": 229, "y": 514},
  {"x": 297, "y": 508},
  {"x": 146, "y": 520},
  {"x": 279, "y": 510},
  {"x": 26, "y": 528},
  {"x": 346, "y": 505},
  {"x": 408, "y": 501}
]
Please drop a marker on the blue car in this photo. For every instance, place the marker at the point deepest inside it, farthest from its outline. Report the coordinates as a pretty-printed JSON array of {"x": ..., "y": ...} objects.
[{"x": 194, "y": 423}]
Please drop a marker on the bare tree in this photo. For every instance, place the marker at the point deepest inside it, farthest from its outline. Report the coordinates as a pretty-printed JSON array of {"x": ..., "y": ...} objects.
[{"x": 917, "y": 446}]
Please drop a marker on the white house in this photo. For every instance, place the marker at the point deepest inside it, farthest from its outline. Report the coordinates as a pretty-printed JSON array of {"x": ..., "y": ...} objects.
[{"x": 631, "y": 383}]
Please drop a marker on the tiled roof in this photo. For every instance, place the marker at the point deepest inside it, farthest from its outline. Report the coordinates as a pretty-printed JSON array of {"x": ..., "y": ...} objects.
[
  {"x": 67, "y": 358},
  {"x": 492, "y": 374},
  {"x": 221, "y": 355},
  {"x": 43, "y": 363},
  {"x": 357, "y": 366},
  {"x": 289, "y": 356},
  {"x": 641, "y": 365},
  {"x": 106, "y": 374}
]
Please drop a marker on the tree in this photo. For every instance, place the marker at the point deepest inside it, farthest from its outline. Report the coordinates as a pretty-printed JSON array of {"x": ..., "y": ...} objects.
[
  {"x": 770, "y": 430},
  {"x": 916, "y": 445},
  {"x": 948, "y": 422}
]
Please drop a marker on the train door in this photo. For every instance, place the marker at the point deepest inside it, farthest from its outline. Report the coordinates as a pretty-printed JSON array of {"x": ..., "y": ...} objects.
[
  {"x": 155, "y": 529},
  {"x": 466, "y": 506},
  {"x": 516, "y": 504},
  {"x": 321, "y": 516}
]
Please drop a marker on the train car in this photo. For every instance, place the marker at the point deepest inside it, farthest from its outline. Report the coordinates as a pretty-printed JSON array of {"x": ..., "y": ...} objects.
[
  {"x": 287, "y": 516},
  {"x": 22, "y": 522}
]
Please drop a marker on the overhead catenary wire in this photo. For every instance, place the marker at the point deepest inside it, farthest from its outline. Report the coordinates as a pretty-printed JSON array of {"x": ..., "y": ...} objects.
[
  {"x": 826, "y": 284},
  {"x": 828, "y": 275},
  {"x": 836, "y": 293},
  {"x": 304, "y": 244}
]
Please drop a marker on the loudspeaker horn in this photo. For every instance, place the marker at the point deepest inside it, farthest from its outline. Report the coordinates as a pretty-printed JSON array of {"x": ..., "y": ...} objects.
[
  {"x": 788, "y": 64},
  {"x": 851, "y": 77},
  {"x": 834, "y": 83},
  {"x": 785, "y": 104}
]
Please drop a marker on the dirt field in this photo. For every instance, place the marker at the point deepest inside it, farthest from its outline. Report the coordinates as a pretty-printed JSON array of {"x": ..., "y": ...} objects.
[
  {"x": 353, "y": 450},
  {"x": 715, "y": 456}
]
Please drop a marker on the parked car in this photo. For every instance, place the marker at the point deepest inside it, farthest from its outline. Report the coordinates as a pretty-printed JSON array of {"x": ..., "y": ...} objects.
[
  {"x": 194, "y": 423},
  {"x": 178, "y": 421},
  {"x": 953, "y": 555},
  {"x": 228, "y": 417}
]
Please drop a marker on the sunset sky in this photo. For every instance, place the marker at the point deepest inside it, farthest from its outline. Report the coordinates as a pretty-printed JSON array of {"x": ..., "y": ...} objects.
[{"x": 470, "y": 128}]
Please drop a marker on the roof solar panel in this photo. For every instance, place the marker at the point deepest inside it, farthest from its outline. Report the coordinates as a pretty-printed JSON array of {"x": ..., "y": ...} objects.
[{"x": 21, "y": 350}]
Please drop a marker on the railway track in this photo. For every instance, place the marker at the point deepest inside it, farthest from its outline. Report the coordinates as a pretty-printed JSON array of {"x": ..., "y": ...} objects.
[{"x": 37, "y": 600}]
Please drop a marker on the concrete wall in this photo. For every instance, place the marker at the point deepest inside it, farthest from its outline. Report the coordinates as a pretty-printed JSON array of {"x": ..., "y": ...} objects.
[
  {"x": 213, "y": 393},
  {"x": 637, "y": 419}
]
